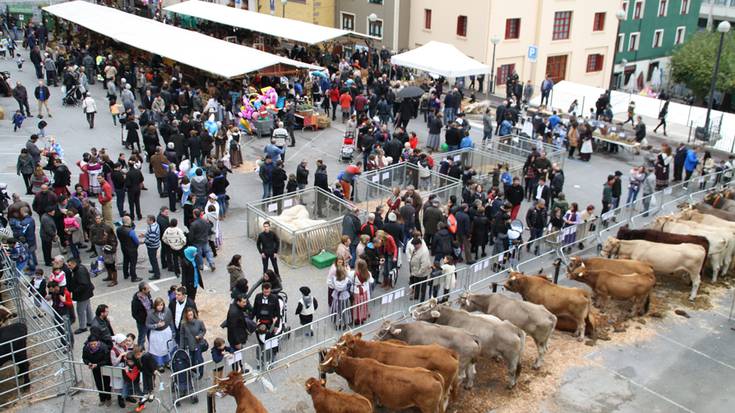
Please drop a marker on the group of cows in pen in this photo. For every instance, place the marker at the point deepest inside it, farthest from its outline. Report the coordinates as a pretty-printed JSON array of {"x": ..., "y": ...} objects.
[{"x": 421, "y": 364}]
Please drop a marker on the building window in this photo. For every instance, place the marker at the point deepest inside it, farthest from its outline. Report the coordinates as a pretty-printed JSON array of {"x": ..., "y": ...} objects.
[
  {"x": 503, "y": 72},
  {"x": 375, "y": 1},
  {"x": 684, "y": 7},
  {"x": 427, "y": 19},
  {"x": 662, "y": 5},
  {"x": 348, "y": 21},
  {"x": 512, "y": 28},
  {"x": 658, "y": 39},
  {"x": 680, "y": 33},
  {"x": 638, "y": 10},
  {"x": 633, "y": 42},
  {"x": 624, "y": 6},
  {"x": 594, "y": 62},
  {"x": 598, "y": 24},
  {"x": 562, "y": 24},
  {"x": 621, "y": 43},
  {"x": 375, "y": 28},
  {"x": 462, "y": 26}
]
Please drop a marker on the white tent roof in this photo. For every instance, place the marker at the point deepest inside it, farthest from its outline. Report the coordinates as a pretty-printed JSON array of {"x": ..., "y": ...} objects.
[
  {"x": 440, "y": 59},
  {"x": 184, "y": 46},
  {"x": 259, "y": 22}
]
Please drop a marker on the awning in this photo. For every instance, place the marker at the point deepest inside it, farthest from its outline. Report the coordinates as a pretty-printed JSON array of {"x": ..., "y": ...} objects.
[
  {"x": 263, "y": 23},
  {"x": 440, "y": 59},
  {"x": 193, "y": 49}
]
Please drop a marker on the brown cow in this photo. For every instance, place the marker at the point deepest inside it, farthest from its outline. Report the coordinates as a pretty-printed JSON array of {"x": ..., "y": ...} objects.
[
  {"x": 235, "y": 387},
  {"x": 617, "y": 265},
  {"x": 709, "y": 210},
  {"x": 331, "y": 401},
  {"x": 432, "y": 357},
  {"x": 569, "y": 302},
  {"x": 396, "y": 388},
  {"x": 605, "y": 284}
]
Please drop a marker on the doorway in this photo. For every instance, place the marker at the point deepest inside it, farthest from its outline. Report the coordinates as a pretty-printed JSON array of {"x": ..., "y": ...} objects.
[{"x": 556, "y": 67}]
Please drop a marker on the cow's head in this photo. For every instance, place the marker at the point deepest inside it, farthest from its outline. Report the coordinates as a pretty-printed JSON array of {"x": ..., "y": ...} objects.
[
  {"x": 349, "y": 341},
  {"x": 230, "y": 383},
  {"x": 575, "y": 262},
  {"x": 514, "y": 282},
  {"x": 332, "y": 357},
  {"x": 386, "y": 330},
  {"x": 685, "y": 206},
  {"x": 465, "y": 302},
  {"x": 687, "y": 214},
  {"x": 611, "y": 246},
  {"x": 577, "y": 274},
  {"x": 314, "y": 384},
  {"x": 427, "y": 311},
  {"x": 6, "y": 314}
]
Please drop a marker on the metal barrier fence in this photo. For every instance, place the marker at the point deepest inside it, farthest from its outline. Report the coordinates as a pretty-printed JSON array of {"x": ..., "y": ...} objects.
[
  {"x": 404, "y": 174},
  {"x": 35, "y": 369},
  {"x": 521, "y": 147},
  {"x": 111, "y": 380},
  {"x": 483, "y": 161},
  {"x": 298, "y": 245}
]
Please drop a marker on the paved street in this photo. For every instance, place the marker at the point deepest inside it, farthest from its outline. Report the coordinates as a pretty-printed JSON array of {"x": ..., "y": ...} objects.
[{"x": 640, "y": 378}]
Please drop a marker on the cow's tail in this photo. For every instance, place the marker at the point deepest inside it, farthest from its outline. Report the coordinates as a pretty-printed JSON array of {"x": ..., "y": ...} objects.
[
  {"x": 522, "y": 337},
  {"x": 479, "y": 345},
  {"x": 647, "y": 303}
]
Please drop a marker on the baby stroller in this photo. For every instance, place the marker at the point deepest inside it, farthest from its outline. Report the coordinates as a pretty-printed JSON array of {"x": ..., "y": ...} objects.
[
  {"x": 183, "y": 383},
  {"x": 73, "y": 96},
  {"x": 348, "y": 147}
]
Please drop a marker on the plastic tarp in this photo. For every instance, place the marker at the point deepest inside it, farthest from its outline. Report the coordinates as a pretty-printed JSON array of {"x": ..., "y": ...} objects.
[
  {"x": 565, "y": 92},
  {"x": 440, "y": 59},
  {"x": 258, "y": 22},
  {"x": 194, "y": 49}
]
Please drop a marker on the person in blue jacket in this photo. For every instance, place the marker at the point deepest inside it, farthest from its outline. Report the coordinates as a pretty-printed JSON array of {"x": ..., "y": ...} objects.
[{"x": 690, "y": 163}]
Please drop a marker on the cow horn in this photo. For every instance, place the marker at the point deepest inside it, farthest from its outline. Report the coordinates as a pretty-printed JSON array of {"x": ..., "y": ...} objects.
[{"x": 326, "y": 362}]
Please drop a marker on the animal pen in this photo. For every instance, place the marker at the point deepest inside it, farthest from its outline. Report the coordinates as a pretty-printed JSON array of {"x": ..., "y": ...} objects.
[
  {"x": 373, "y": 188},
  {"x": 306, "y": 221},
  {"x": 35, "y": 344}
]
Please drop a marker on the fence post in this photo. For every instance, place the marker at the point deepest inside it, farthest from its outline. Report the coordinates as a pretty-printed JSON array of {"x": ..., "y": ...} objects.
[
  {"x": 495, "y": 287},
  {"x": 557, "y": 267}
]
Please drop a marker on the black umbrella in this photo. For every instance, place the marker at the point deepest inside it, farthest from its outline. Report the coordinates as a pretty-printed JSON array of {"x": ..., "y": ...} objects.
[{"x": 409, "y": 92}]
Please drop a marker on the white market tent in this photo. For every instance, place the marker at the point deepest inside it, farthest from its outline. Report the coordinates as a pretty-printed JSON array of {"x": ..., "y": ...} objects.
[
  {"x": 440, "y": 59},
  {"x": 194, "y": 49},
  {"x": 258, "y": 22}
]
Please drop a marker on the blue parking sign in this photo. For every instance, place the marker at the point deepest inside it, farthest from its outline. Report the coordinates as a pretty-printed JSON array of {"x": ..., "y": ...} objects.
[{"x": 532, "y": 53}]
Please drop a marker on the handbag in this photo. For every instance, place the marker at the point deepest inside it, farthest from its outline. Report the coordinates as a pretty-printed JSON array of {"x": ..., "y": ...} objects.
[{"x": 203, "y": 345}]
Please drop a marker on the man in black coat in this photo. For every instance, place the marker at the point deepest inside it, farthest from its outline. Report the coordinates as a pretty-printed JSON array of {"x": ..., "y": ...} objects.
[
  {"x": 679, "y": 157},
  {"x": 441, "y": 244},
  {"x": 268, "y": 245},
  {"x": 278, "y": 179},
  {"x": 514, "y": 194},
  {"x": 536, "y": 219},
  {"x": 82, "y": 292},
  {"x": 453, "y": 136},
  {"x": 236, "y": 323},
  {"x": 178, "y": 306},
  {"x": 431, "y": 219},
  {"x": 266, "y": 310},
  {"x": 500, "y": 115},
  {"x": 302, "y": 174},
  {"x": 464, "y": 231},
  {"x": 141, "y": 299},
  {"x": 129, "y": 247},
  {"x": 101, "y": 325},
  {"x": 393, "y": 149},
  {"x": 133, "y": 183}
]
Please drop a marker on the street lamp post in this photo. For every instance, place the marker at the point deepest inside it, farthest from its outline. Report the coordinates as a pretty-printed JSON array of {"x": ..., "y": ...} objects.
[
  {"x": 494, "y": 40},
  {"x": 620, "y": 15},
  {"x": 283, "y": 3},
  {"x": 723, "y": 28}
]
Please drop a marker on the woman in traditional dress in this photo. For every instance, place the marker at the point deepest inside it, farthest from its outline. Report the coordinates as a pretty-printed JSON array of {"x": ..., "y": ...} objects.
[
  {"x": 160, "y": 327},
  {"x": 340, "y": 298},
  {"x": 662, "y": 167},
  {"x": 361, "y": 280},
  {"x": 338, "y": 263}
]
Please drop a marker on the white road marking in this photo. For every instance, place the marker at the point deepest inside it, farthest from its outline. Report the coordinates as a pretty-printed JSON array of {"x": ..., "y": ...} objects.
[
  {"x": 707, "y": 356},
  {"x": 642, "y": 386},
  {"x": 132, "y": 287}
]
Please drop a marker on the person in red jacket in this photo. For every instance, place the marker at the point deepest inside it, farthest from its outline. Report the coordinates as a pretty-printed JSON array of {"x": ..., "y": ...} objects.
[
  {"x": 388, "y": 251},
  {"x": 105, "y": 199},
  {"x": 334, "y": 100}
]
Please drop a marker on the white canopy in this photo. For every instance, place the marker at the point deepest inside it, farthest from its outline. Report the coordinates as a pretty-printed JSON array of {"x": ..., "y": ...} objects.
[
  {"x": 184, "y": 46},
  {"x": 263, "y": 23},
  {"x": 440, "y": 59}
]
